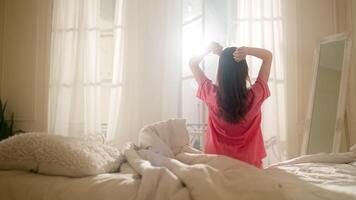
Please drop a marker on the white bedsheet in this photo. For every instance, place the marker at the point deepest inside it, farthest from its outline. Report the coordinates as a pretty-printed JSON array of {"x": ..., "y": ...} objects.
[
  {"x": 21, "y": 185},
  {"x": 330, "y": 176}
]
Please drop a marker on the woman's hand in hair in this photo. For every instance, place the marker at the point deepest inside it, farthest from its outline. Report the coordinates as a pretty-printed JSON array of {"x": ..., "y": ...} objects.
[
  {"x": 240, "y": 54},
  {"x": 194, "y": 62},
  {"x": 265, "y": 56},
  {"x": 215, "y": 48}
]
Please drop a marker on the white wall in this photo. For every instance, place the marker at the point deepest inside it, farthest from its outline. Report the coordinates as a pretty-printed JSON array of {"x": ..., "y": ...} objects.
[{"x": 24, "y": 60}]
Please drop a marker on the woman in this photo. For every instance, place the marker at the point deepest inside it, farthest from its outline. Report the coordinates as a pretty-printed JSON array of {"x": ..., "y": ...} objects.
[{"x": 234, "y": 125}]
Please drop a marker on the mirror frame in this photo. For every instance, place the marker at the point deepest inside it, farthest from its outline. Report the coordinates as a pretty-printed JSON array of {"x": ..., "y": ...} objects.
[{"x": 340, "y": 113}]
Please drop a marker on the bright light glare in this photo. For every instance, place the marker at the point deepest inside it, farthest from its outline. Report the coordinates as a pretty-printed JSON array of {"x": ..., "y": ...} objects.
[
  {"x": 195, "y": 46},
  {"x": 193, "y": 41}
]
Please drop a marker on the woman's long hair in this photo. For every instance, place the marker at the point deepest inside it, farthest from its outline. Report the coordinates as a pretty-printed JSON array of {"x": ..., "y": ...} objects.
[{"x": 232, "y": 90}]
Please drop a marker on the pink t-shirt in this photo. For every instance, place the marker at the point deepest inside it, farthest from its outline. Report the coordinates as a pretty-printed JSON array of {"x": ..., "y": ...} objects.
[{"x": 242, "y": 140}]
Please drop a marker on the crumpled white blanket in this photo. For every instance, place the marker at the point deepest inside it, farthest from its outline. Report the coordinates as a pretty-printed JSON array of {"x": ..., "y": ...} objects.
[{"x": 170, "y": 169}]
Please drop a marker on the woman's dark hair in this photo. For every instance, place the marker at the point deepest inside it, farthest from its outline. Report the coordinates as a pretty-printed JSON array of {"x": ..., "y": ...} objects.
[{"x": 232, "y": 89}]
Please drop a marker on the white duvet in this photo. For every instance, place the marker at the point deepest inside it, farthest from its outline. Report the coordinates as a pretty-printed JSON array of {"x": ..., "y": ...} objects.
[
  {"x": 205, "y": 177},
  {"x": 185, "y": 174},
  {"x": 181, "y": 173}
]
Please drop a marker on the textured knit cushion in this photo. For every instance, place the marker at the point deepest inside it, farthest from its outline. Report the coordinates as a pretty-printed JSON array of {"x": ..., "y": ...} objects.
[{"x": 58, "y": 155}]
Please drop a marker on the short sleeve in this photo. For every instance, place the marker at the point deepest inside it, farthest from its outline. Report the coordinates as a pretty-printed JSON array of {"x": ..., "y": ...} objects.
[
  {"x": 259, "y": 93},
  {"x": 260, "y": 90},
  {"x": 206, "y": 91}
]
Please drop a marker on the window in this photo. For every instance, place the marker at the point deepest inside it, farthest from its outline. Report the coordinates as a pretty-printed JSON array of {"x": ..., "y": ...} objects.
[
  {"x": 199, "y": 27},
  {"x": 110, "y": 29},
  {"x": 258, "y": 23},
  {"x": 255, "y": 23},
  {"x": 85, "y": 71},
  {"x": 193, "y": 33}
]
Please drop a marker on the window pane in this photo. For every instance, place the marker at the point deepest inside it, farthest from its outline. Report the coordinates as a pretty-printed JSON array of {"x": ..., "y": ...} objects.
[
  {"x": 274, "y": 112},
  {"x": 117, "y": 56},
  {"x": 267, "y": 11},
  {"x": 270, "y": 116},
  {"x": 268, "y": 34},
  {"x": 64, "y": 51},
  {"x": 192, "y": 43},
  {"x": 106, "y": 57},
  {"x": 277, "y": 8},
  {"x": 105, "y": 102},
  {"x": 243, "y": 34},
  {"x": 65, "y": 15},
  {"x": 191, "y": 9},
  {"x": 242, "y": 9},
  {"x": 278, "y": 55},
  {"x": 254, "y": 67},
  {"x": 281, "y": 100},
  {"x": 107, "y": 13},
  {"x": 191, "y": 105},
  {"x": 211, "y": 66},
  {"x": 256, "y": 8},
  {"x": 274, "y": 123},
  {"x": 256, "y": 34}
]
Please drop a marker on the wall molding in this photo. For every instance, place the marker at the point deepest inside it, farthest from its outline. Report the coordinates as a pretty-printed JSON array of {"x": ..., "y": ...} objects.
[
  {"x": 2, "y": 26},
  {"x": 9, "y": 26},
  {"x": 25, "y": 82}
]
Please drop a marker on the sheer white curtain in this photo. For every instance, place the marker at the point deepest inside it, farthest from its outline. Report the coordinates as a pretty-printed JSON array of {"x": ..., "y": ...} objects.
[
  {"x": 114, "y": 66},
  {"x": 151, "y": 66},
  {"x": 259, "y": 23},
  {"x": 76, "y": 81}
]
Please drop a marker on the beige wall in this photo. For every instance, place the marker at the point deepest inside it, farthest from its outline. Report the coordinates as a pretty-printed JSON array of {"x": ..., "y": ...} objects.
[
  {"x": 24, "y": 60},
  {"x": 350, "y": 25},
  {"x": 352, "y": 83},
  {"x": 307, "y": 22},
  {"x": 2, "y": 14},
  {"x": 346, "y": 22},
  {"x": 314, "y": 20}
]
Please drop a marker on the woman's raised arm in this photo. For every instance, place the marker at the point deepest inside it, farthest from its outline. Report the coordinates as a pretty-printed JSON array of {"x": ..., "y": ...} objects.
[
  {"x": 194, "y": 62},
  {"x": 263, "y": 54}
]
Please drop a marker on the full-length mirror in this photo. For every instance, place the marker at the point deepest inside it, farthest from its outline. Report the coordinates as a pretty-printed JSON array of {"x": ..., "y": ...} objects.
[{"x": 327, "y": 101}]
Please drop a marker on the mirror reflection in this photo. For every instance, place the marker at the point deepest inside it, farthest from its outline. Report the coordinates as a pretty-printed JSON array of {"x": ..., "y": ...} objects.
[{"x": 326, "y": 96}]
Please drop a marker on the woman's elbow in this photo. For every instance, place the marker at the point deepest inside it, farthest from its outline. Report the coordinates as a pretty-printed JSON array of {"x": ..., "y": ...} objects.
[
  {"x": 269, "y": 55},
  {"x": 193, "y": 62}
]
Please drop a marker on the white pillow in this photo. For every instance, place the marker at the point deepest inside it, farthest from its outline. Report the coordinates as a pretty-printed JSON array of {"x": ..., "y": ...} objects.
[
  {"x": 165, "y": 137},
  {"x": 58, "y": 155}
]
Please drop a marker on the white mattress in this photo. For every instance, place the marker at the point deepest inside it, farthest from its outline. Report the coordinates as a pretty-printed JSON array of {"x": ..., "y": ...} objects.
[
  {"x": 334, "y": 177},
  {"x": 21, "y": 185}
]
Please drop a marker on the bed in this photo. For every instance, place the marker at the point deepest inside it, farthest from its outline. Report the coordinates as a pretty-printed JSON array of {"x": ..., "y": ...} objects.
[
  {"x": 26, "y": 185},
  {"x": 171, "y": 169},
  {"x": 315, "y": 181},
  {"x": 330, "y": 176}
]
